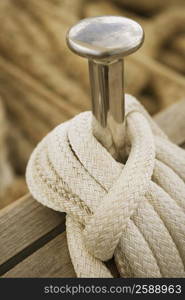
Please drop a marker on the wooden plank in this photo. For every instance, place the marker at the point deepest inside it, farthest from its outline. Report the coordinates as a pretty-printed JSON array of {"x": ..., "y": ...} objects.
[
  {"x": 52, "y": 260},
  {"x": 22, "y": 223},
  {"x": 172, "y": 121}
]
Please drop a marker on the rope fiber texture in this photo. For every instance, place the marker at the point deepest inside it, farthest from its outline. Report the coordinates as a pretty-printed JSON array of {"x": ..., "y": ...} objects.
[{"x": 134, "y": 212}]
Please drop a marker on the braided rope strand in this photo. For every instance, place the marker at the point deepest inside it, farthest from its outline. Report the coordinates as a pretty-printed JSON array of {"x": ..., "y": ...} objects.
[{"x": 133, "y": 211}]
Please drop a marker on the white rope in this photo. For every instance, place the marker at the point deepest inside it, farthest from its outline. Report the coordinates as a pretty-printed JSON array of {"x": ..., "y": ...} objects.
[{"x": 134, "y": 212}]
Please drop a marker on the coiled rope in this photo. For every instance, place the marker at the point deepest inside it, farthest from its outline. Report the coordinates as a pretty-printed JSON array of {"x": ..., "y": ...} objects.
[{"x": 134, "y": 212}]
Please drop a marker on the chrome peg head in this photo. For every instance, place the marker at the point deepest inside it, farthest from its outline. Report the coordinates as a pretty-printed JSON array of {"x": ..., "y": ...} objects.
[{"x": 105, "y": 37}]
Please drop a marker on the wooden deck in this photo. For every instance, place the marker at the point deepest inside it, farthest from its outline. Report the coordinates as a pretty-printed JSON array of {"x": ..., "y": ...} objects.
[{"x": 32, "y": 237}]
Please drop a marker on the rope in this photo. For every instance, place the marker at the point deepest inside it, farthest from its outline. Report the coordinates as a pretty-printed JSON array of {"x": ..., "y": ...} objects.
[{"x": 134, "y": 212}]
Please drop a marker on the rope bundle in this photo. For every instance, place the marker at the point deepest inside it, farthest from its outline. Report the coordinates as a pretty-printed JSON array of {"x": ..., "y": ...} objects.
[{"x": 135, "y": 211}]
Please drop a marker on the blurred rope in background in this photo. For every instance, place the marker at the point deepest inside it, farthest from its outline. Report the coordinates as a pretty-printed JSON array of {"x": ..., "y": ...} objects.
[{"x": 43, "y": 84}]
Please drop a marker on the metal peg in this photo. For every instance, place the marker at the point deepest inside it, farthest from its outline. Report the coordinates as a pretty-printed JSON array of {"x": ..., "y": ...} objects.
[{"x": 105, "y": 41}]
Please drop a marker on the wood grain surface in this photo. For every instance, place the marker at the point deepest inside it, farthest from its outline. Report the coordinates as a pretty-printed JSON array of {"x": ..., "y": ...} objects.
[
  {"x": 52, "y": 260},
  {"x": 24, "y": 226}
]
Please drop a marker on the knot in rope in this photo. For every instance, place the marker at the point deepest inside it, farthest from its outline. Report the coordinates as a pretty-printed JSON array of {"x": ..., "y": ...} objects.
[{"x": 133, "y": 211}]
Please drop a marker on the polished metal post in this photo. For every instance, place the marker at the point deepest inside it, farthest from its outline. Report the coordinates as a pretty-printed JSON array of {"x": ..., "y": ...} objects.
[
  {"x": 105, "y": 41},
  {"x": 107, "y": 90},
  {"x": 108, "y": 104}
]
